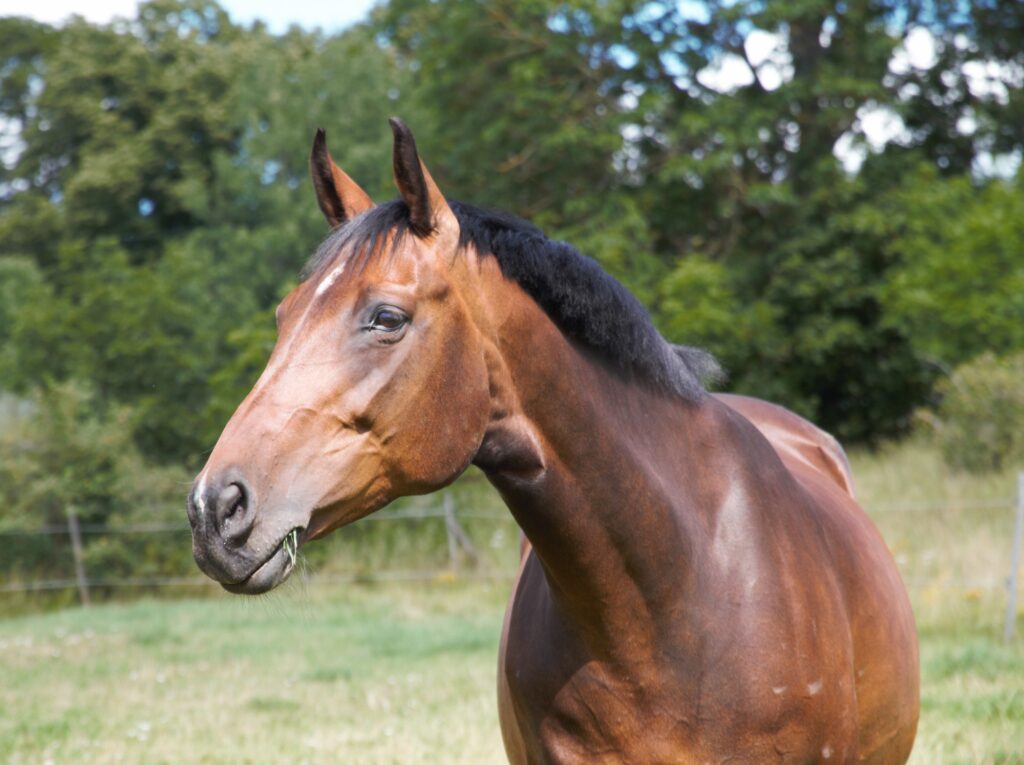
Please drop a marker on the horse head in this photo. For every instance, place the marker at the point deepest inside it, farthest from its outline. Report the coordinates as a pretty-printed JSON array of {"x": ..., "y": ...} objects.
[{"x": 376, "y": 388}]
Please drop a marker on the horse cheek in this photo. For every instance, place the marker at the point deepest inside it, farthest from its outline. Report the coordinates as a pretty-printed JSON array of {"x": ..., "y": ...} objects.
[{"x": 446, "y": 421}]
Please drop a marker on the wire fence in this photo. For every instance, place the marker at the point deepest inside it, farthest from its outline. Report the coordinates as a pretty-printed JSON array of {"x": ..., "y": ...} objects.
[
  {"x": 148, "y": 528},
  {"x": 463, "y": 557},
  {"x": 461, "y": 550}
]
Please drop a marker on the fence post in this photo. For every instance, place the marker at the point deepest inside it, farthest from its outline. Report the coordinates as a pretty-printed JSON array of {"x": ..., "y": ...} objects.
[
  {"x": 1011, "y": 582},
  {"x": 458, "y": 539},
  {"x": 76, "y": 551},
  {"x": 449, "y": 527}
]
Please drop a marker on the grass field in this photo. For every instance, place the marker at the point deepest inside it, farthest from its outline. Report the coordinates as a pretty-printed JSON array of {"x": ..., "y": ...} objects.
[
  {"x": 405, "y": 673},
  {"x": 394, "y": 675}
]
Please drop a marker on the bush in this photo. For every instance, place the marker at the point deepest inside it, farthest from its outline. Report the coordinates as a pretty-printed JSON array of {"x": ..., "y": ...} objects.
[
  {"x": 61, "y": 450},
  {"x": 980, "y": 426}
]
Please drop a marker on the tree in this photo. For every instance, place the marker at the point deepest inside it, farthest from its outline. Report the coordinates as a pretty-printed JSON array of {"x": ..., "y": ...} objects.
[
  {"x": 160, "y": 204},
  {"x": 957, "y": 286},
  {"x": 68, "y": 452},
  {"x": 614, "y": 122},
  {"x": 154, "y": 203}
]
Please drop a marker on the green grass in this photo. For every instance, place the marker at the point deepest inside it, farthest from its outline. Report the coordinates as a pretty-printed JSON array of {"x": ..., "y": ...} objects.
[
  {"x": 406, "y": 673},
  {"x": 972, "y": 705},
  {"x": 950, "y": 533},
  {"x": 393, "y": 675}
]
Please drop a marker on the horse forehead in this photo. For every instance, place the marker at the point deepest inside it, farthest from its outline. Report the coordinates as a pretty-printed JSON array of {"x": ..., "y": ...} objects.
[
  {"x": 413, "y": 266},
  {"x": 407, "y": 263},
  {"x": 345, "y": 276},
  {"x": 332, "y": 275}
]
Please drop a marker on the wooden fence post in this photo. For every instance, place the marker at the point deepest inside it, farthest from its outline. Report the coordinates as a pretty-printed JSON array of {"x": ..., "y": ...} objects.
[
  {"x": 458, "y": 539},
  {"x": 449, "y": 523},
  {"x": 76, "y": 550},
  {"x": 1011, "y": 582}
]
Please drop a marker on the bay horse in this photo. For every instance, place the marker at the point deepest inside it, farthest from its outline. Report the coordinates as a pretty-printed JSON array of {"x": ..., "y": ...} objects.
[{"x": 700, "y": 584}]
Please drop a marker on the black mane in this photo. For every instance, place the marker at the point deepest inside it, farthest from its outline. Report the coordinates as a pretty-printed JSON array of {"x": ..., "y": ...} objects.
[{"x": 584, "y": 301}]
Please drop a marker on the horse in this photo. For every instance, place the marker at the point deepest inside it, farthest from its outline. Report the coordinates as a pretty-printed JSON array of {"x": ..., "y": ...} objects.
[{"x": 699, "y": 583}]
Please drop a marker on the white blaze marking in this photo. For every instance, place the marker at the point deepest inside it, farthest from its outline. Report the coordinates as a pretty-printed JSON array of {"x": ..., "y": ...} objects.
[
  {"x": 826, "y": 752},
  {"x": 815, "y": 687},
  {"x": 778, "y": 690},
  {"x": 332, "y": 277}
]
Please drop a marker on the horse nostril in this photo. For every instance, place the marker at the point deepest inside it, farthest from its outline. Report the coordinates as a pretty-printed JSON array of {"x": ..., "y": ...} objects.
[
  {"x": 232, "y": 500},
  {"x": 233, "y": 518}
]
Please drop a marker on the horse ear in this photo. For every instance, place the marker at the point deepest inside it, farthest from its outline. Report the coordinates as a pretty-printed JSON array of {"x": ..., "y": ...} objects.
[
  {"x": 429, "y": 213},
  {"x": 339, "y": 197}
]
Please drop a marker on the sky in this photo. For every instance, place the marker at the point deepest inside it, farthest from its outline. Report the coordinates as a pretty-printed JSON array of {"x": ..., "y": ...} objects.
[{"x": 331, "y": 15}]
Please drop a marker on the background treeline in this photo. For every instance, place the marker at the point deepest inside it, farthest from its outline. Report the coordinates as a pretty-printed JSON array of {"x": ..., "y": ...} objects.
[{"x": 155, "y": 205}]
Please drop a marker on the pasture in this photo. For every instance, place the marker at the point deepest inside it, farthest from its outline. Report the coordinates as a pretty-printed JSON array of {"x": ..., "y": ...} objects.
[{"x": 404, "y": 673}]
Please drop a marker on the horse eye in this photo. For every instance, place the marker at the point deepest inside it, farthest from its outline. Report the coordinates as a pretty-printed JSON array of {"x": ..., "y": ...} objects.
[{"x": 388, "y": 320}]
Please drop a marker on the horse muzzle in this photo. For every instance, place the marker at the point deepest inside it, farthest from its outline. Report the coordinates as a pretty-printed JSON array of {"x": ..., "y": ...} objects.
[{"x": 230, "y": 542}]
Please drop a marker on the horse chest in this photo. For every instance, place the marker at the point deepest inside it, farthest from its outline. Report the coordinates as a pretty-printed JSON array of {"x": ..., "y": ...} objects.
[{"x": 562, "y": 703}]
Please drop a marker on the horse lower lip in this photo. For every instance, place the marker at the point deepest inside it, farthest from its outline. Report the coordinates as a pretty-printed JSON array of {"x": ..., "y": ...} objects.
[{"x": 272, "y": 571}]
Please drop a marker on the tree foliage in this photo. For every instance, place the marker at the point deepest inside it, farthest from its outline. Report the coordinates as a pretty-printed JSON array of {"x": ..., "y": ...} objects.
[
  {"x": 980, "y": 424},
  {"x": 957, "y": 284},
  {"x": 66, "y": 452},
  {"x": 160, "y": 206},
  {"x": 693, "y": 151},
  {"x": 154, "y": 204}
]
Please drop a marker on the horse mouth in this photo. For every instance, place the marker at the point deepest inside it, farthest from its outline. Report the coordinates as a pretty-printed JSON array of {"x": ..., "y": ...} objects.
[{"x": 274, "y": 570}]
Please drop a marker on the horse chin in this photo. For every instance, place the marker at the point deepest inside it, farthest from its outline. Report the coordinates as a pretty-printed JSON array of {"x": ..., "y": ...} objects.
[{"x": 272, "y": 572}]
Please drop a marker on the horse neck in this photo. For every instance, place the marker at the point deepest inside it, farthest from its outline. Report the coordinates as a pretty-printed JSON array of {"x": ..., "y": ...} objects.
[{"x": 610, "y": 480}]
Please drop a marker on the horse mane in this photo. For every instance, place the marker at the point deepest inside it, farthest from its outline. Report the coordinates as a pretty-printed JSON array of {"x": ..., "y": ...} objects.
[{"x": 581, "y": 298}]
